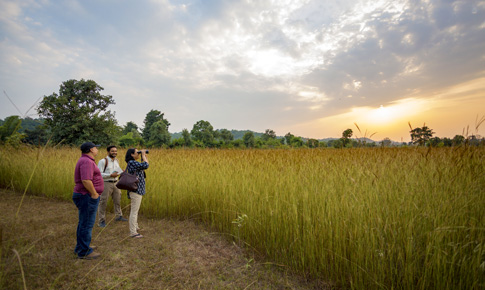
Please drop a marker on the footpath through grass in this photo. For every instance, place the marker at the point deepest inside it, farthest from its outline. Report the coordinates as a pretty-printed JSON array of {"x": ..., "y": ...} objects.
[{"x": 173, "y": 254}]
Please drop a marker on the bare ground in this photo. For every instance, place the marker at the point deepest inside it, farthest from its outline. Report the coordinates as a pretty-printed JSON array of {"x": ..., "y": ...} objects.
[{"x": 172, "y": 255}]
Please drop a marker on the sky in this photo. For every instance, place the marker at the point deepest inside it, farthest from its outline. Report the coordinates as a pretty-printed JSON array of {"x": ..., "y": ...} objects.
[{"x": 310, "y": 67}]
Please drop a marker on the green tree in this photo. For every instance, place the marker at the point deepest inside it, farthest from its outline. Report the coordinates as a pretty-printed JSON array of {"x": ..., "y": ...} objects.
[
  {"x": 9, "y": 131},
  {"x": 226, "y": 136},
  {"x": 435, "y": 141},
  {"x": 129, "y": 127},
  {"x": 30, "y": 124},
  {"x": 79, "y": 113},
  {"x": 288, "y": 138},
  {"x": 297, "y": 142},
  {"x": 337, "y": 143},
  {"x": 421, "y": 135},
  {"x": 447, "y": 142},
  {"x": 273, "y": 143},
  {"x": 159, "y": 134},
  {"x": 177, "y": 142},
  {"x": 458, "y": 140},
  {"x": 10, "y": 126},
  {"x": 258, "y": 142},
  {"x": 187, "y": 138},
  {"x": 203, "y": 132},
  {"x": 151, "y": 118},
  {"x": 37, "y": 136},
  {"x": 346, "y": 137},
  {"x": 312, "y": 143},
  {"x": 137, "y": 137},
  {"x": 268, "y": 134},
  {"x": 249, "y": 139},
  {"x": 386, "y": 142},
  {"x": 238, "y": 143},
  {"x": 127, "y": 140}
]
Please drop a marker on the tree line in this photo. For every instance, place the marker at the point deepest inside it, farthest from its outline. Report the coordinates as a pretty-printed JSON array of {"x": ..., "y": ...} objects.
[{"x": 79, "y": 112}]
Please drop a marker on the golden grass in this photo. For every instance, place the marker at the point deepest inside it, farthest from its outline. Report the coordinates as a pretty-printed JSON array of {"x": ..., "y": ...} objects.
[{"x": 365, "y": 218}]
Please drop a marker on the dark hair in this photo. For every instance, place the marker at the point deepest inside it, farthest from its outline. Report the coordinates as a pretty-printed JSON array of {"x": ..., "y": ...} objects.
[
  {"x": 109, "y": 147},
  {"x": 128, "y": 156}
]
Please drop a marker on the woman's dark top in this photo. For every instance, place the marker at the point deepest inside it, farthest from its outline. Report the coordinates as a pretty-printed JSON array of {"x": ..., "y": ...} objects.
[{"x": 135, "y": 167}]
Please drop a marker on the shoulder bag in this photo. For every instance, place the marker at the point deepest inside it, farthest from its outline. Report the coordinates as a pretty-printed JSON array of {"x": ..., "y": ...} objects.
[{"x": 128, "y": 181}]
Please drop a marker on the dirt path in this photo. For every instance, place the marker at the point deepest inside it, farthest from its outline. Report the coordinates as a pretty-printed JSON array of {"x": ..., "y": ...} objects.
[{"x": 172, "y": 255}]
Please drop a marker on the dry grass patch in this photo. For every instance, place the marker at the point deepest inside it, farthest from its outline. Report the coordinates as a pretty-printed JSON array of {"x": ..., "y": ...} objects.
[{"x": 173, "y": 254}]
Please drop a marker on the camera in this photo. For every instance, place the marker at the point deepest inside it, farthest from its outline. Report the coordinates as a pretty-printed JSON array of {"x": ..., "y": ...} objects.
[{"x": 146, "y": 151}]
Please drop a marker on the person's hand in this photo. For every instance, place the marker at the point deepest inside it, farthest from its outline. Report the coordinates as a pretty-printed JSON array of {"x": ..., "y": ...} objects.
[
  {"x": 114, "y": 174},
  {"x": 95, "y": 195}
]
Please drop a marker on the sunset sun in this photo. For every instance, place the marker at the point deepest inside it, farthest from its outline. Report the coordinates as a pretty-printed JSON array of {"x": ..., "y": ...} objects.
[{"x": 381, "y": 114}]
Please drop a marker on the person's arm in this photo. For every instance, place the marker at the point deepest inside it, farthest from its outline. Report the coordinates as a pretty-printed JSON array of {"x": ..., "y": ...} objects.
[
  {"x": 101, "y": 165},
  {"x": 88, "y": 184}
]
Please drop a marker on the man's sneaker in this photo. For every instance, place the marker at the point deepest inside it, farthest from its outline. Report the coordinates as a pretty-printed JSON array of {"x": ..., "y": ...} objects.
[
  {"x": 91, "y": 256},
  {"x": 121, "y": 219},
  {"x": 102, "y": 224}
]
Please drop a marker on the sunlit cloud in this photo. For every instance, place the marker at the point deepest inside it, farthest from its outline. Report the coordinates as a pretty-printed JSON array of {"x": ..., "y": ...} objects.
[
  {"x": 461, "y": 103},
  {"x": 312, "y": 67}
]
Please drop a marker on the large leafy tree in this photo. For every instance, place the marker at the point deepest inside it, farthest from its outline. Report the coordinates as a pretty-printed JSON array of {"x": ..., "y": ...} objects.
[
  {"x": 458, "y": 140},
  {"x": 132, "y": 138},
  {"x": 151, "y": 118},
  {"x": 226, "y": 136},
  {"x": 386, "y": 142},
  {"x": 346, "y": 137},
  {"x": 312, "y": 143},
  {"x": 79, "y": 113},
  {"x": 249, "y": 139},
  {"x": 421, "y": 135},
  {"x": 187, "y": 138},
  {"x": 9, "y": 131},
  {"x": 129, "y": 127},
  {"x": 297, "y": 142},
  {"x": 288, "y": 138},
  {"x": 37, "y": 136},
  {"x": 268, "y": 134},
  {"x": 10, "y": 126},
  {"x": 159, "y": 134},
  {"x": 203, "y": 132}
]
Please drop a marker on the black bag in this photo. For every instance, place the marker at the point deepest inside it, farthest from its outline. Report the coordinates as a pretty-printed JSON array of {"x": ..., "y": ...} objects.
[{"x": 128, "y": 181}]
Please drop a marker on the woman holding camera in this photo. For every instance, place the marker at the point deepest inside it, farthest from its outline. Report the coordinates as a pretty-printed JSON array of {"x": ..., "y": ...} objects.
[{"x": 137, "y": 168}]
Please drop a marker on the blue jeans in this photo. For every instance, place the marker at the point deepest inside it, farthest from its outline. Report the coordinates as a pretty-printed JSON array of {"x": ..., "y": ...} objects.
[{"x": 87, "y": 216}]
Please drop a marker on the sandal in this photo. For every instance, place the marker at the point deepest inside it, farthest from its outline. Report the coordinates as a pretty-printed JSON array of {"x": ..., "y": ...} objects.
[{"x": 137, "y": 236}]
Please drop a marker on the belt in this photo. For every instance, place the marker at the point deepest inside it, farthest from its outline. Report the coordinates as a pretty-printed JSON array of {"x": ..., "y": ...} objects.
[{"x": 112, "y": 181}]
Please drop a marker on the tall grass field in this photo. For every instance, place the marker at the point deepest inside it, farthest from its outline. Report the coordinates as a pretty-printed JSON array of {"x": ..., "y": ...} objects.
[{"x": 364, "y": 218}]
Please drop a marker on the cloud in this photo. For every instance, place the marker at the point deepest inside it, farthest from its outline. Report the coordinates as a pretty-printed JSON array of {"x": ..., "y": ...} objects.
[
  {"x": 243, "y": 64},
  {"x": 404, "y": 50}
]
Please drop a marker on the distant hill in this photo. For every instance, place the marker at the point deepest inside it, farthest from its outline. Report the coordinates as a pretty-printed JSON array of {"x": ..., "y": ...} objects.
[
  {"x": 27, "y": 124},
  {"x": 238, "y": 134},
  {"x": 176, "y": 135},
  {"x": 366, "y": 140}
]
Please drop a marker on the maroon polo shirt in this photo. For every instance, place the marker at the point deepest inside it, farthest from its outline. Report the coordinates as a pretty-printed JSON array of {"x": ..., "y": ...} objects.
[{"x": 86, "y": 169}]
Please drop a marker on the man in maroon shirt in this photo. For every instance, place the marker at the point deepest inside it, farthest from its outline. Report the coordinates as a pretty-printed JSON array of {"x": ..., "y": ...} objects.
[{"x": 88, "y": 186}]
